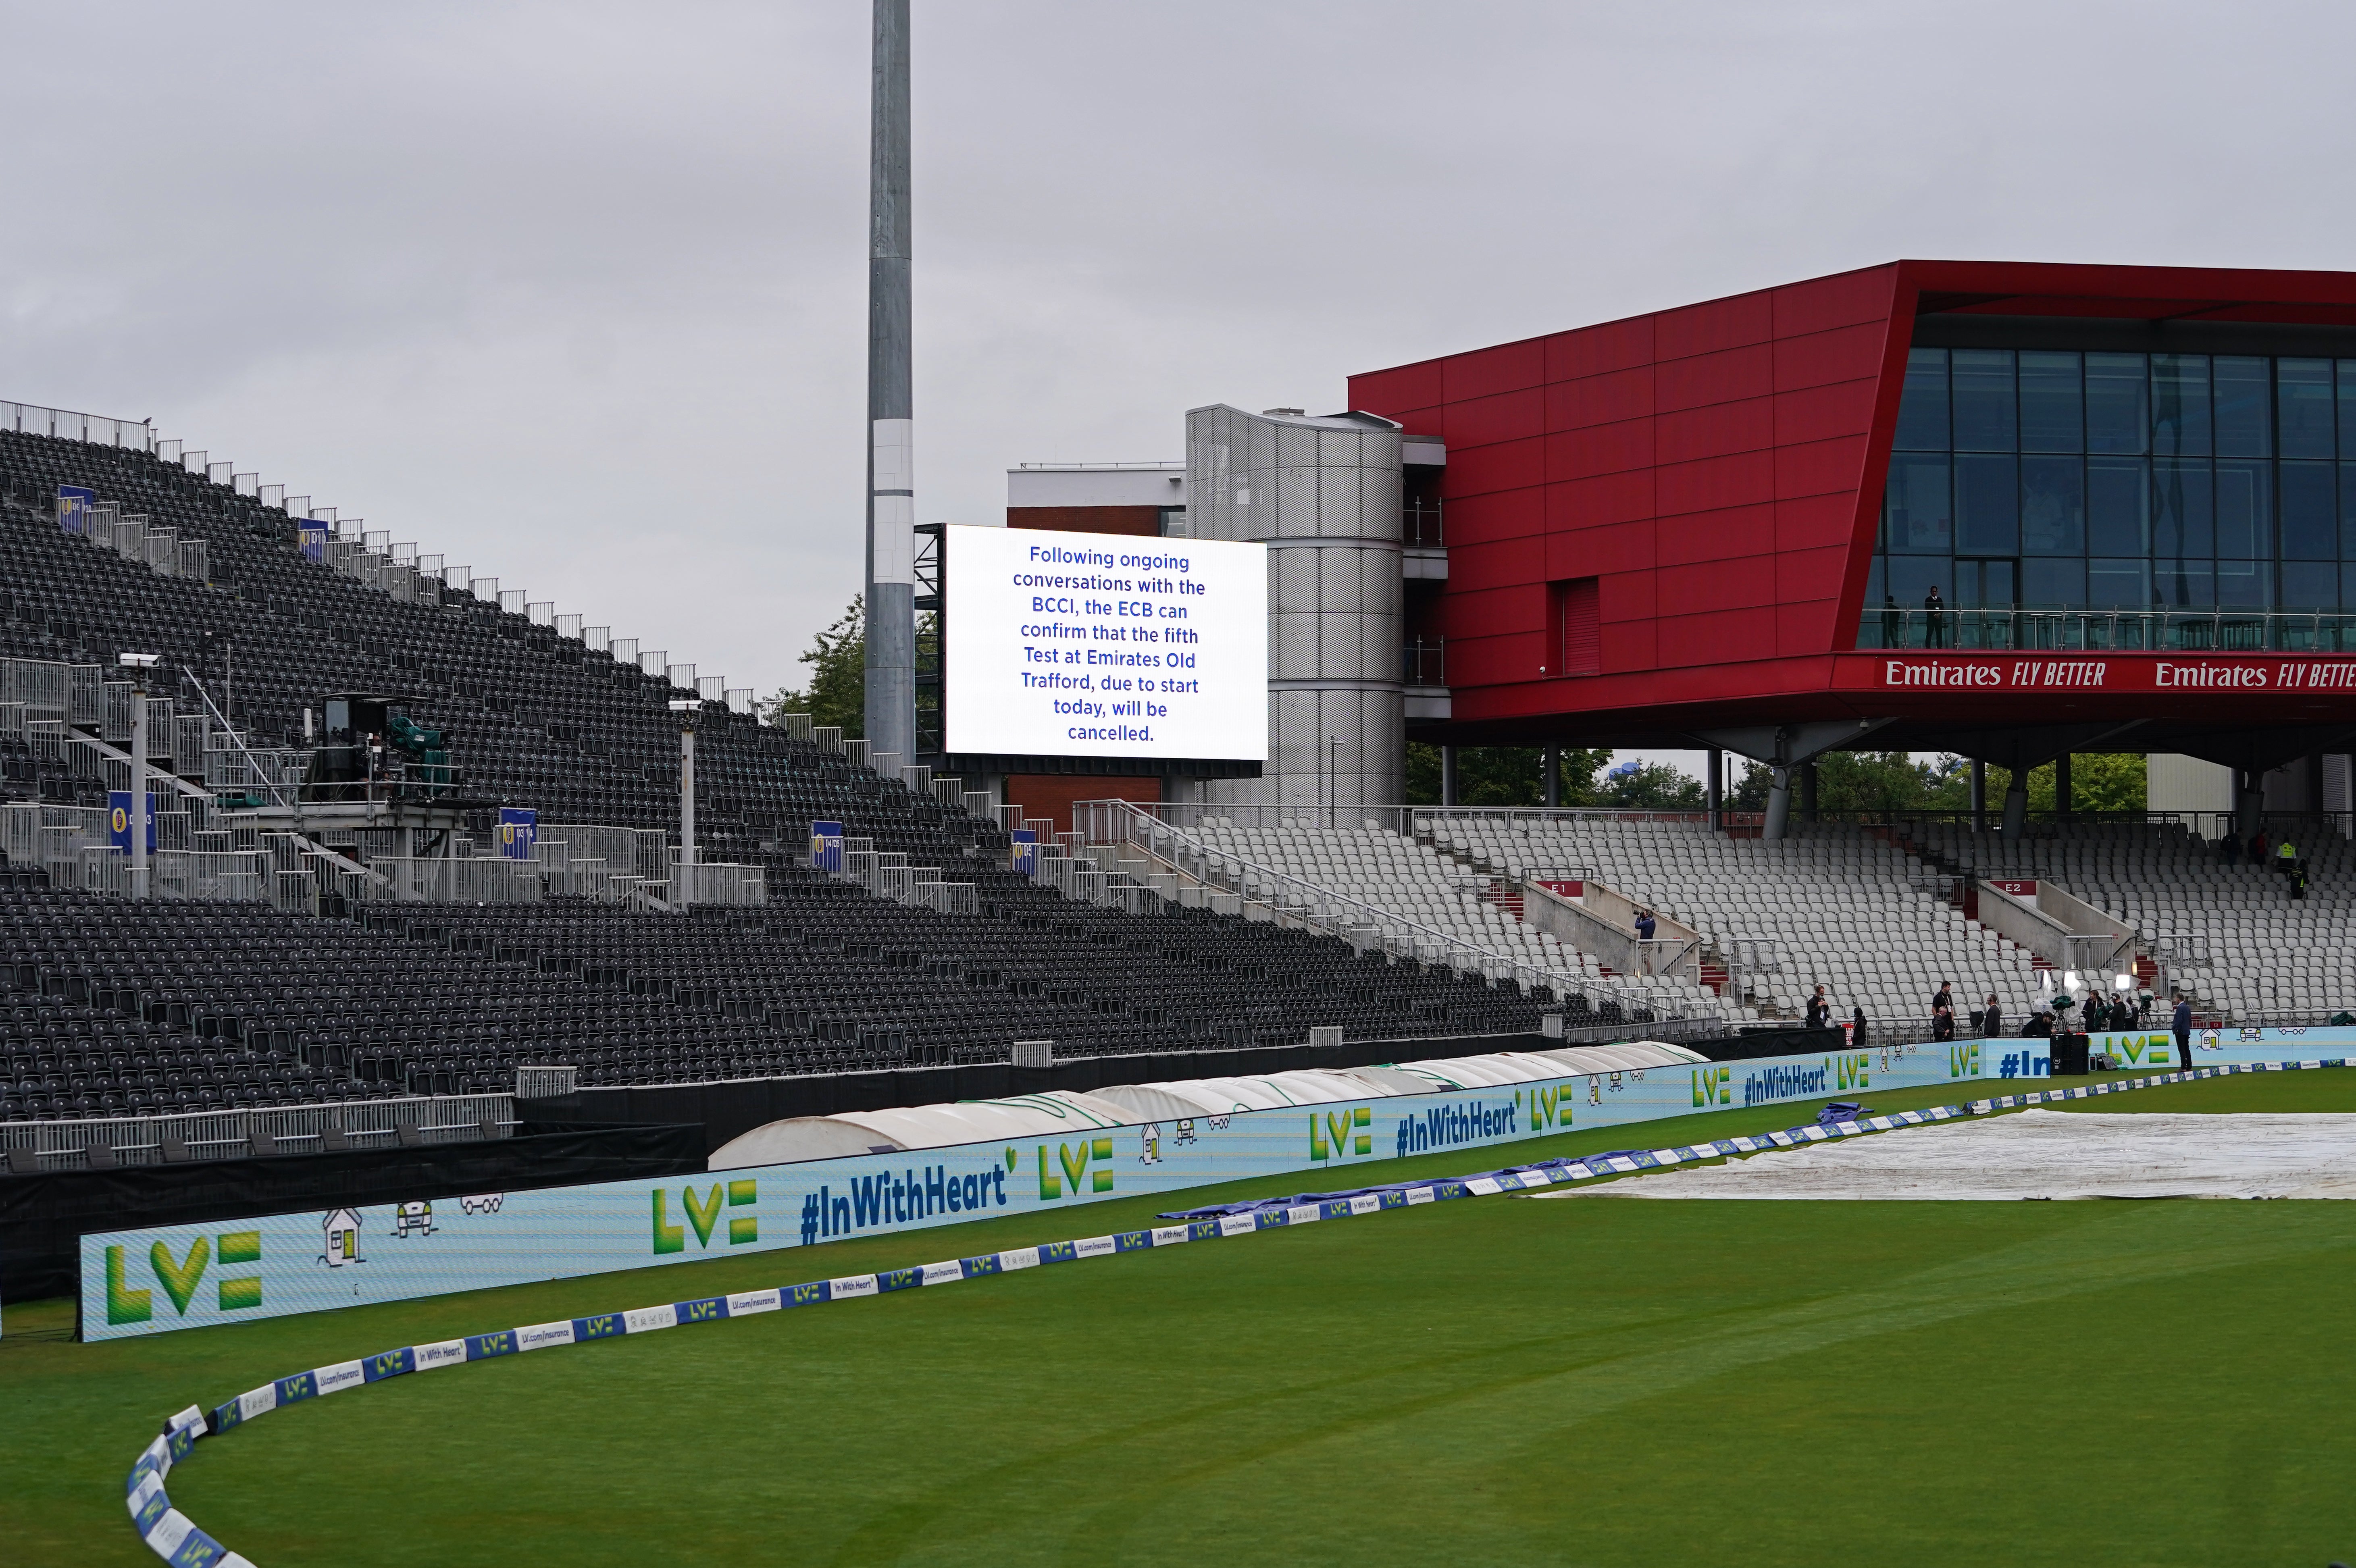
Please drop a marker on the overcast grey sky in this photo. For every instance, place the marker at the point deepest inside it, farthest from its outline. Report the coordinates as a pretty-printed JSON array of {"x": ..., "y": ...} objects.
[{"x": 575, "y": 294}]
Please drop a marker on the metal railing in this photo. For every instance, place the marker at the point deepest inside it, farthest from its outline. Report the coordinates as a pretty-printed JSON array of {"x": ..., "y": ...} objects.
[
  {"x": 1422, "y": 523},
  {"x": 626, "y": 851},
  {"x": 276, "y": 1129},
  {"x": 65, "y": 424},
  {"x": 1122, "y": 823},
  {"x": 719, "y": 884},
  {"x": 450, "y": 880},
  {"x": 546, "y": 1082},
  {"x": 1424, "y": 662},
  {"x": 2200, "y": 830},
  {"x": 70, "y": 694},
  {"x": 369, "y": 557},
  {"x": 2109, "y": 631}
]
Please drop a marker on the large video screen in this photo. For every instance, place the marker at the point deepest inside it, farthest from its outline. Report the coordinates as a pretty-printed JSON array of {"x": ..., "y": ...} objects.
[{"x": 1105, "y": 646}]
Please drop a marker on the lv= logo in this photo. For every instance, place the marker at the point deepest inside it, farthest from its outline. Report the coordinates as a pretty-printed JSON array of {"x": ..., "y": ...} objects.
[
  {"x": 1074, "y": 1166},
  {"x": 702, "y": 1216},
  {"x": 1336, "y": 1135},
  {"x": 179, "y": 1278}
]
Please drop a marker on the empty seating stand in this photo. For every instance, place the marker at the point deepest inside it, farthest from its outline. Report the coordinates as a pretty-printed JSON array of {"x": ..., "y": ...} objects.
[
  {"x": 1834, "y": 905},
  {"x": 2228, "y": 931},
  {"x": 115, "y": 1007}
]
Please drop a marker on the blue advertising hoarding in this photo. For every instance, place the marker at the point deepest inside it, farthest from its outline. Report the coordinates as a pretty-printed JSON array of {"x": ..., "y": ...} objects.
[
  {"x": 118, "y": 820},
  {"x": 187, "y": 1277},
  {"x": 150, "y": 1281},
  {"x": 1026, "y": 851},
  {"x": 73, "y": 508},
  {"x": 314, "y": 539},
  {"x": 826, "y": 847},
  {"x": 519, "y": 832}
]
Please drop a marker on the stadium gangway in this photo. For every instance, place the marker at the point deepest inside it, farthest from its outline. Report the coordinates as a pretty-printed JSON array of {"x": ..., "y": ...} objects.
[
  {"x": 137, "y": 539},
  {"x": 1119, "y": 823},
  {"x": 565, "y": 875},
  {"x": 722, "y": 884},
  {"x": 643, "y": 852},
  {"x": 49, "y": 689},
  {"x": 276, "y": 1129},
  {"x": 448, "y": 880}
]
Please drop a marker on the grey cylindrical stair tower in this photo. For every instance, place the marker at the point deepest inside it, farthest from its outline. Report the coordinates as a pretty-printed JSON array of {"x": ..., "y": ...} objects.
[{"x": 1323, "y": 495}]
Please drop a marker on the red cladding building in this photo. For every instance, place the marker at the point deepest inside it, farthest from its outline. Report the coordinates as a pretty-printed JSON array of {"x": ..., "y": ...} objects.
[{"x": 2114, "y": 518}]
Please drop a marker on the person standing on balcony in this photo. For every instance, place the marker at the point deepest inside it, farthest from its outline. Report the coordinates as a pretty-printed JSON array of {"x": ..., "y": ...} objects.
[
  {"x": 1645, "y": 926},
  {"x": 1935, "y": 619},
  {"x": 1820, "y": 1010},
  {"x": 1894, "y": 623},
  {"x": 2258, "y": 847}
]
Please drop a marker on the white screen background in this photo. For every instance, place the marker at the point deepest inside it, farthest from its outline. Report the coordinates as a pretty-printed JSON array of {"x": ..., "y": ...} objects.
[{"x": 1106, "y": 646}]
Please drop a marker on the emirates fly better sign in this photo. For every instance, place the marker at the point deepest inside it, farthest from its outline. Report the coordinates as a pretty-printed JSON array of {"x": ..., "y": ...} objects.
[{"x": 1105, "y": 646}]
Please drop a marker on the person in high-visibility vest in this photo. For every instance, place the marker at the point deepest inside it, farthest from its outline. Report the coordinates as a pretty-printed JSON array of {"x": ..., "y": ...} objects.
[{"x": 2285, "y": 856}]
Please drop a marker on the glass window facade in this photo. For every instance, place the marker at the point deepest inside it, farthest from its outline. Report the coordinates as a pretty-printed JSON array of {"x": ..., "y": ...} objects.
[{"x": 2042, "y": 499}]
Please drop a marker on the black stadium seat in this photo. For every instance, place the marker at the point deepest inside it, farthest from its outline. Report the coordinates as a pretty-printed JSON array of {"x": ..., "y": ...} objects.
[{"x": 110, "y": 1007}]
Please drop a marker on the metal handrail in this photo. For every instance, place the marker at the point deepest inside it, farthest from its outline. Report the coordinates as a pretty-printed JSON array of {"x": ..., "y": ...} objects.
[
  {"x": 2056, "y": 629},
  {"x": 139, "y": 1139},
  {"x": 65, "y": 424},
  {"x": 1423, "y": 523},
  {"x": 1121, "y": 822}
]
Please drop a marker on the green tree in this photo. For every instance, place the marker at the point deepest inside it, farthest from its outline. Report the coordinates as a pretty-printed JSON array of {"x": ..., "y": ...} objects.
[
  {"x": 1861, "y": 781},
  {"x": 837, "y": 692},
  {"x": 2099, "y": 781},
  {"x": 1881, "y": 781},
  {"x": 1897, "y": 782},
  {"x": 1502, "y": 775},
  {"x": 1649, "y": 786}
]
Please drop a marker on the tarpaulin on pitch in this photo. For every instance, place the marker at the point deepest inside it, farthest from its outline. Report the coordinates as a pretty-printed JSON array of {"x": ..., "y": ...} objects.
[{"x": 2043, "y": 1154}]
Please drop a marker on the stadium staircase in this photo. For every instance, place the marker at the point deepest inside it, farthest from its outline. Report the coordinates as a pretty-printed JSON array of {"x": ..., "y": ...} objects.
[
  {"x": 1832, "y": 905},
  {"x": 1378, "y": 886},
  {"x": 2229, "y": 932}
]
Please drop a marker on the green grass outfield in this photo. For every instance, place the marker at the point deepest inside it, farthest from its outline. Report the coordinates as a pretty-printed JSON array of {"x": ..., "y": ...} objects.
[{"x": 1491, "y": 1382}]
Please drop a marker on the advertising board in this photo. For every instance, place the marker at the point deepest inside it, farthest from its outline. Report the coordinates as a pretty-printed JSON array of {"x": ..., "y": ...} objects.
[{"x": 150, "y": 1281}]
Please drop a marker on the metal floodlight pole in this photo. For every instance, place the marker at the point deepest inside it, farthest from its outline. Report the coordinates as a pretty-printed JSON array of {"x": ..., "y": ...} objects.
[
  {"x": 686, "y": 711},
  {"x": 139, "y": 665},
  {"x": 891, "y": 701}
]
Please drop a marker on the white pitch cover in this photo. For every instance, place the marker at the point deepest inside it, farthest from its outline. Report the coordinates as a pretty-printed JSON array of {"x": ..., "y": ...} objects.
[{"x": 2044, "y": 1155}]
